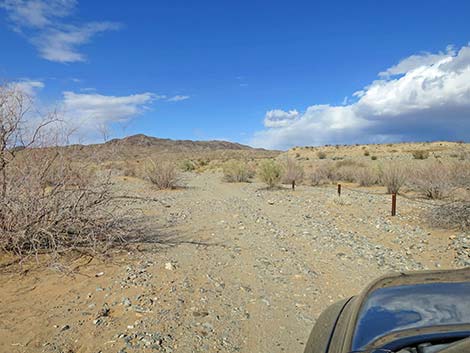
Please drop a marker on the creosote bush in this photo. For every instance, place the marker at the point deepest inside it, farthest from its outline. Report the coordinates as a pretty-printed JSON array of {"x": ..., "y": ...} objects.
[
  {"x": 162, "y": 174},
  {"x": 270, "y": 172},
  {"x": 237, "y": 172},
  {"x": 420, "y": 154},
  {"x": 187, "y": 166},
  {"x": 321, "y": 155}
]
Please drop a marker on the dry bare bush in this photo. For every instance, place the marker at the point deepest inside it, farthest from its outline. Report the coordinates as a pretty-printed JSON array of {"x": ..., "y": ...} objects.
[
  {"x": 346, "y": 170},
  {"x": 292, "y": 172},
  {"x": 366, "y": 176},
  {"x": 461, "y": 174},
  {"x": 237, "y": 172},
  {"x": 451, "y": 215},
  {"x": 321, "y": 155},
  {"x": 393, "y": 176},
  {"x": 47, "y": 203},
  {"x": 323, "y": 173},
  {"x": 162, "y": 174},
  {"x": 269, "y": 172},
  {"x": 434, "y": 179}
]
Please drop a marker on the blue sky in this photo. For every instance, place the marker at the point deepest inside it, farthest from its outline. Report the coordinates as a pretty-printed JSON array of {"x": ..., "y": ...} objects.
[{"x": 269, "y": 73}]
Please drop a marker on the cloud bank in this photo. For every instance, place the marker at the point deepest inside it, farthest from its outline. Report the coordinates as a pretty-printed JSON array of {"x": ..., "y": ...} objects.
[
  {"x": 42, "y": 22},
  {"x": 88, "y": 112},
  {"x": 423, "y": 97}
]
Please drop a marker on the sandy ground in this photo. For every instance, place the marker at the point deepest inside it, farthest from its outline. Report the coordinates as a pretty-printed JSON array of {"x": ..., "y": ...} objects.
[{"x": 235, "y": 268}]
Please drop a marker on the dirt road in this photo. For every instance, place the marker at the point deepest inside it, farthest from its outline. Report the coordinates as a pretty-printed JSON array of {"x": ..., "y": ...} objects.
[{"x": 238, "y": 269}]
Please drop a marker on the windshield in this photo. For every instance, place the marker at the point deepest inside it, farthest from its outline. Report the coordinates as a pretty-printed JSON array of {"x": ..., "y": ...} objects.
[{"x": 394, "y": 309}]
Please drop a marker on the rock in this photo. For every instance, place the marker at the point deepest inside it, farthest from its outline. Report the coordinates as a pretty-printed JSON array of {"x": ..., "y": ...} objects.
[
  {"x": 126, "y": 302},
  {"x": 99, "y": 274},
  {"x": 169, "y": 266},
  {"x": 65, "y": 328}
]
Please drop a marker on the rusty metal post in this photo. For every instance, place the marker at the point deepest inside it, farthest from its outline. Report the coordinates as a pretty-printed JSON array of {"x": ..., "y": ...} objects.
[
  {"x": 339, "y": 189},
  {"x": 293, "y": 184},
  {"x": 394, "y": 204}
]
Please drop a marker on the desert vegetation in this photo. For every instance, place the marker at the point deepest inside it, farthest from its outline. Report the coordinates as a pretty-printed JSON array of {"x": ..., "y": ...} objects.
[
  {"x": 270, "y": 172},
  {"x": 48, "y": 202},
  {"x": 162, "y": 174},
  {"x": 292, "y": 172},
  {"x": 237, "y": 171}
]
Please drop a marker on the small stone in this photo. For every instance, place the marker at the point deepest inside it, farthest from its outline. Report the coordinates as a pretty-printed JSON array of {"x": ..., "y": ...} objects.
[
  {"x": 99, "y": 274},
  {"x": 126, "y": 302},
  {"x": 65, "y": 328},
  {"x": 169, "y": 266}
]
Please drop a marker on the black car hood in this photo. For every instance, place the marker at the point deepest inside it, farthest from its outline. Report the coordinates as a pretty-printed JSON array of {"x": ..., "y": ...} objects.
[{"x": 412, "y": 302}]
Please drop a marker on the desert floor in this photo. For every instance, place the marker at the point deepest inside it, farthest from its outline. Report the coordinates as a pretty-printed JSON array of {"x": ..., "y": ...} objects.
[{"x": 224, "y": 268}]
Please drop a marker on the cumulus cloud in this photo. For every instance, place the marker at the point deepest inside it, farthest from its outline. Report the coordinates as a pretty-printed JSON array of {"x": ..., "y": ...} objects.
[
  {"x": 42, "y": 23},
  {"x": 88, "y": 111},
  {"x": 279, "y": 118},
  {"x": 421, "y": 98}
]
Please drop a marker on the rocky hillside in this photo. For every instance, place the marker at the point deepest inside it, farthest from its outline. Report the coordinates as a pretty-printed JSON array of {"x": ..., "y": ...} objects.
[{"x": 168, "y": 145}]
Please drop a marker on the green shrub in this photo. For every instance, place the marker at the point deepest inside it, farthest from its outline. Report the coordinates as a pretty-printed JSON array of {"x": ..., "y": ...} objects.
[
  {"x": 374, "y": 158},
  {"x": 237, "y": 172},
  {"x": 187, "y": 166},
  {"x": 270, "y": 172},
  {"x": 321, "y": 155},
  {"x": 366, "y": 153},
  {"x": 420, "y": 154}
]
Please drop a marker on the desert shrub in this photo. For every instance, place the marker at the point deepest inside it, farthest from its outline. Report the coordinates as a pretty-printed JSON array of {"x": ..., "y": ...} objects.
[
  {"x": 292, "y": 172},
  {"x": 366, "y": 176},
  {"x": 366, "y": 153},
  {"x": 393, "y": 176},
  {"x": 321, "y": 155},
  {"x": 187, "y": 166},
  {"x": 461, "y": 174},
  {"x": 70, "y": 210},
  {"x": 346, "y": 170},
  {"x": 434, "y": 179},
  {"x": 451, "y": 215},
  {"x": 420, "y": 154},
  {"x": 270, "y": 172},
  {"x": 162, "y": 174},
  {"x": 374, "y": 158},
  {"x": 49, "y": 201},
  {"x": 237, "y": 172},
  {"x": 322, "y": 173}
]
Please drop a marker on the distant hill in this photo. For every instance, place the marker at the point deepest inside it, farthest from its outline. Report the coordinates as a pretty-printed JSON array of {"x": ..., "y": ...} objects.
[
  {"x": 168, "y": 145},
  {"x": 140, "y": 147}
]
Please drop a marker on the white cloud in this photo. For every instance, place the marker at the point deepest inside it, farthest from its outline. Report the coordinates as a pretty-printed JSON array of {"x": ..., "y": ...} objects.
[
  {"x": 29, "y": 87},
  {"x": 41, "y": 22},
  {"x": 279, "y": 118},
  {"x": 177, "y": 98},
  {"x": 36, "y": 13},
  {"x": 87, "y": 111},
  {"x": 430, "y": 99}
]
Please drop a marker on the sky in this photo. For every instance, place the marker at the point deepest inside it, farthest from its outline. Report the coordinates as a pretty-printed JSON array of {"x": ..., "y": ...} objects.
[{"x": 272, "y": 74}]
